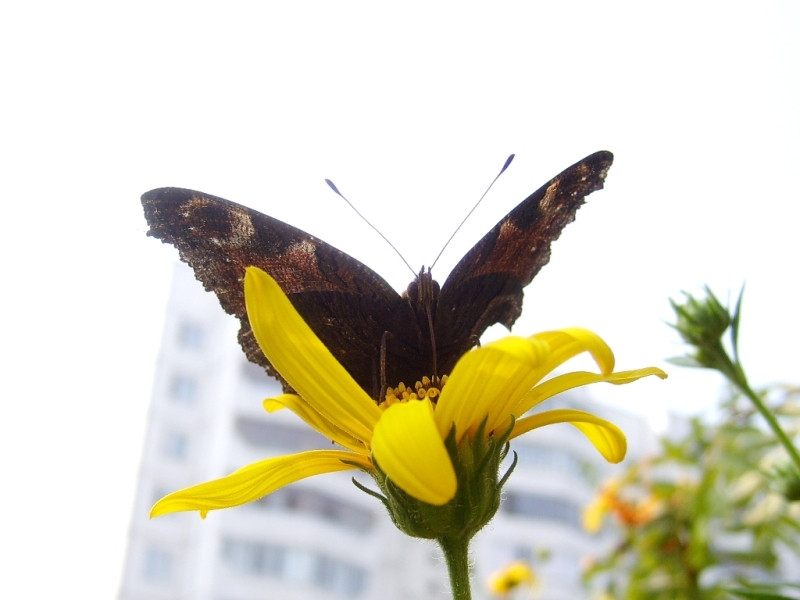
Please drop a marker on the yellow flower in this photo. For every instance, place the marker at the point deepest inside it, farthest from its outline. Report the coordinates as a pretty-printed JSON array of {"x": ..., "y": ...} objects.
[
  {"x": 509, "y": 578},
  {"x": 494, "y": 385},
  {"x": 628, "y": 513}
]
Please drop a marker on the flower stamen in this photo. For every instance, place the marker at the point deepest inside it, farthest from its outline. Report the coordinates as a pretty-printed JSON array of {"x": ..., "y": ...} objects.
[{"x": 427, "y": 388}]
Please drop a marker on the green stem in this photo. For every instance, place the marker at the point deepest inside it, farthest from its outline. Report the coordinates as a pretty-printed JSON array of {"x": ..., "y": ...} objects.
[
  {"x": 456, "y": 554},
  {"x": 773, "y": 423},
  {"x": 735, "y": 373}
]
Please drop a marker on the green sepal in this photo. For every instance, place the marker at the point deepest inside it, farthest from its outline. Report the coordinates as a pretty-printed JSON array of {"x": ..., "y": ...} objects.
[
  {"x": 369, "y": 492},
  {"x": 476, "y": 460}
]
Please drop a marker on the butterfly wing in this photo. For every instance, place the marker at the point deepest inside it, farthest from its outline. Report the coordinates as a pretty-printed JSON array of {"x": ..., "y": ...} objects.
[
  {"x": 348, "y": 305},
  {"x": 486, "y": 286}
]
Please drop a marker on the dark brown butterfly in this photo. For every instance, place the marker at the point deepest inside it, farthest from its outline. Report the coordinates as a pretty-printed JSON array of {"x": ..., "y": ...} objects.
[{"x": 352, "y": 309}]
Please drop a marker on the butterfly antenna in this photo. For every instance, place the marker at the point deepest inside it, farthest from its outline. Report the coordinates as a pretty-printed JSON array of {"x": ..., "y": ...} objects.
[
  {"x": 338, "y": 193},
  {"x": 505, "y": 166}
]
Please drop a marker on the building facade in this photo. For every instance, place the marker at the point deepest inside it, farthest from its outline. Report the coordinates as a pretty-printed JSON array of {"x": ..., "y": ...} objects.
[{"x": 322, "y": 538}]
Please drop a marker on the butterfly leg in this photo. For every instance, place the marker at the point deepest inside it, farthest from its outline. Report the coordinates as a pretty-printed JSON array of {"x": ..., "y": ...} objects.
[
  {"x": 433, "y": 342},
  {"x": 382, "y": 394}
]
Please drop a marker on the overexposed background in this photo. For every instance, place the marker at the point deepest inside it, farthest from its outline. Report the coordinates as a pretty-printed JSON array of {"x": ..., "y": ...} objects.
[{"x": 411, "y": 109}]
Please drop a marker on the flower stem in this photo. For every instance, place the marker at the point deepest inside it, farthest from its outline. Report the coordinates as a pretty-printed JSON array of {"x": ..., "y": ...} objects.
[
  {"x": 456, "y": 554},
  {"x": 770, "y": 419},
  {"x": 732, "y": 369}
]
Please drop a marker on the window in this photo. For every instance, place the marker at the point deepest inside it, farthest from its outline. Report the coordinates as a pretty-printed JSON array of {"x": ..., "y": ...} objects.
[
  {"x": 340, "y": 577},
  {"x": 320, "y": 505},
  {"x": 183, "y": 388},
  {"x": 299, "y": 566},
  {"x": 253, "y": 558},
  {"x": 294, "y": 565},
  {"x": 542, "y": 507},
  {"x": 549, "y": 459},
  {"x": 191, "y": 335},
  {"x": 175, "y": 445},
  {"x": 157, "y": 565},
  {"x": 257, "y": 432}
]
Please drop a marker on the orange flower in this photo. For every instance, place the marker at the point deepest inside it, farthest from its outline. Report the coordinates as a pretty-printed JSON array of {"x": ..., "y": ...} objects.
[{"x": 627, "y": 512}]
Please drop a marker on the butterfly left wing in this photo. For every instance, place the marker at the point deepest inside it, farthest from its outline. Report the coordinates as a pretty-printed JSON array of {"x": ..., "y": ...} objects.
[
  {"x": 348, "y": 305},
  {"x": 486, "y": 287}
]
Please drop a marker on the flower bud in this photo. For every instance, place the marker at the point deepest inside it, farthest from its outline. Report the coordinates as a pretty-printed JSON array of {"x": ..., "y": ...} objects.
[
  {"x": 787, "y": 478},
  {"x": 702, "y": 323}
]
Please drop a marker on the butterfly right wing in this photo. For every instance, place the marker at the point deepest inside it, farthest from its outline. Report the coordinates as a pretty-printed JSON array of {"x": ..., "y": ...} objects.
[
  {"x": 486, "y": 287},
  {"x": 348, "y": 305}
]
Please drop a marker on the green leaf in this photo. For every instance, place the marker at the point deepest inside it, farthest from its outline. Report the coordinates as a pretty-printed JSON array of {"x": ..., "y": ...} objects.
[
  {"x": 735, "y": 325},
  {"x": 748, "y": 595}
]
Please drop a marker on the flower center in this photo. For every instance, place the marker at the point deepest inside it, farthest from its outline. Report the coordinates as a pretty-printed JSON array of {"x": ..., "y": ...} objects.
[{"x": 427, "y": 388}]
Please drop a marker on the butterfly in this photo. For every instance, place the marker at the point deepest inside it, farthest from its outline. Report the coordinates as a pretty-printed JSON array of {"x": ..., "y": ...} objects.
[{"x": 377, "y": 334}]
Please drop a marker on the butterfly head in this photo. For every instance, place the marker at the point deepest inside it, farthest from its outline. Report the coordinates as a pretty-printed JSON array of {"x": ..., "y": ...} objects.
[
  {"x": 422, "y": 295},
  {"x": 423, "y": 292}
]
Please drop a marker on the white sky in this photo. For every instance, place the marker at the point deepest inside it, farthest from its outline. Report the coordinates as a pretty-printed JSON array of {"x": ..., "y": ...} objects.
[{"x": 411, "y": 110}]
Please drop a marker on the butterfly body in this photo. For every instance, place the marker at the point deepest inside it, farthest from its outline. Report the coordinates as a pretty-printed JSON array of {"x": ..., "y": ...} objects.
[{"x": 352, "y": 309}]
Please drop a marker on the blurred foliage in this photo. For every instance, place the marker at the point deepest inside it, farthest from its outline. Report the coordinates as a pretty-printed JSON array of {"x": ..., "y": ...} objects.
[{"x": 722, "y": 516}]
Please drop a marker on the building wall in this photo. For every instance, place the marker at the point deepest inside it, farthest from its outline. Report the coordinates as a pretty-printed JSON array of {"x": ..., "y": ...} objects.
[{"x": 321, "y": 538}]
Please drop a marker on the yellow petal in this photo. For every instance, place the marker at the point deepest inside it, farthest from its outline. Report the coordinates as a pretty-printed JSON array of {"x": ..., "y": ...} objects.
[
  {"x": 489, "y": 382},
  {"x": 606, "y": 437},
  {"x": 407, "y": 446},
  {"x": 567, "y": 381},
  {"x": 304, "y": 410},
  {"x": 257, "y": 480},
  {"x": 571, "y": 341},
  {"x": 594, "y": 514},
  {"x": 303, "y": 360}
]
